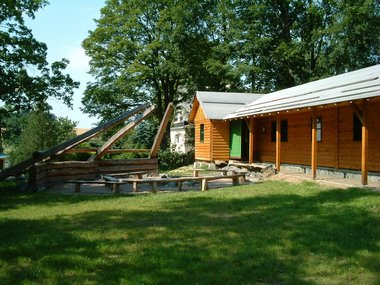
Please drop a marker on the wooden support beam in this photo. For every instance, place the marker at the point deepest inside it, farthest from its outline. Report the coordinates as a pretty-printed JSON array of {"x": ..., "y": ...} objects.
[
  {"x": 65, "y": 146},
  {"x": 252, "y": 146},
  {"x": 122, "y": 132},
  {"x": 161, "y": 131},
  {"x": 89, "y": 150},
  {"x": 364, "y": 164},
  {"x": 278, "y": 143},
  {"x": 314, "y": 145},
  {"x": 357, "y": 111}
]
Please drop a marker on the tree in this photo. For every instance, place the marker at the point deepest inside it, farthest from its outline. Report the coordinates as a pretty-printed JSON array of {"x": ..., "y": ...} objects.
[
  {"x": 26, "y": 79},
  {"x": 289, "y": 42},
  {"x": 146, "y": 51},
  {"x": 161, "y": 51},
  {"x": 354, "y": 40},
  {"x": 41, "y": 131}
]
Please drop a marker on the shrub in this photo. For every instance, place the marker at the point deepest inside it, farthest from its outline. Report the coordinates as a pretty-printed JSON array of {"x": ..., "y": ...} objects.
[{"x": 170, "y": 160}]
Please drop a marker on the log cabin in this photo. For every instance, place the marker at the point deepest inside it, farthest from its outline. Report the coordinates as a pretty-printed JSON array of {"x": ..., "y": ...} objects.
[
  {"x": 332, "y": 123},
  {"x": 212, "y": 132}
]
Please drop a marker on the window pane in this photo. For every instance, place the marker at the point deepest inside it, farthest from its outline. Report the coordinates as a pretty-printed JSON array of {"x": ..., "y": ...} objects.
[
  {"x": 284, "y": 130},
  {"x": 273, "y": 131},
  {"x": 319, "y": 129},
  {"x": 357, "y": 130},
  {"x": 202, "y": 133}
]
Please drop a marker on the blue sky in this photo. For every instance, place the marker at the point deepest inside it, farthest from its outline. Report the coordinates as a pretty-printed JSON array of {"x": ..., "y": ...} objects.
[{"x": 63, "y": 25}]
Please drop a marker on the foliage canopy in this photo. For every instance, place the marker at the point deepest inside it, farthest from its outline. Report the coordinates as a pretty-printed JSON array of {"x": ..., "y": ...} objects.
[
  {"x": 161, "y": 51},
  {"x": 26, "y": 79}
]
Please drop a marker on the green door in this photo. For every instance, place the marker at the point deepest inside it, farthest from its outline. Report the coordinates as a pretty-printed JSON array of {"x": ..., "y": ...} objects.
[{"x": 235, "y": 139}]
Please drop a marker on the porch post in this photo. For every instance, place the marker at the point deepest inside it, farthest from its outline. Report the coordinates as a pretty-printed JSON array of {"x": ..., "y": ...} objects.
[
  {"x": 278, "y": 143},
  {"x": 251, "y": 140},
  {"x": 314, "y": 145},
  {"x": 364, "y": 166}
]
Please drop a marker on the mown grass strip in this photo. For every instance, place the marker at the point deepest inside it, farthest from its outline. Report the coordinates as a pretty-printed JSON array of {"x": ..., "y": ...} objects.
[{"x": 267, "y": 233}]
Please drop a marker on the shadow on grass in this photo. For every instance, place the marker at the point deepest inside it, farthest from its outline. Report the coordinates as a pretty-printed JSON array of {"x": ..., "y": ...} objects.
[
  {"x": 15, "y": 199},
  {"x": 268, "y": 239}
]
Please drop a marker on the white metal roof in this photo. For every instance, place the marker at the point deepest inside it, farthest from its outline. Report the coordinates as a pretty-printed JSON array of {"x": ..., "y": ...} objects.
[
  {"x": 360, "y": 84},
  {"x": 217, "y": 105}
]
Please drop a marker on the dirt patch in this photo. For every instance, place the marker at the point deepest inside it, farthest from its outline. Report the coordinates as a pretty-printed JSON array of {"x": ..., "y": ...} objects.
[{"x": 327, "y": 182}]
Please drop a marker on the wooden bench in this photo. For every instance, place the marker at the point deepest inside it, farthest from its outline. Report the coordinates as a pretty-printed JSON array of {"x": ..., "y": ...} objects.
[
  {"x": 115, "y": 184},
  {"x": 223, "y": 171},
  {"x": 139, "y": 174}
]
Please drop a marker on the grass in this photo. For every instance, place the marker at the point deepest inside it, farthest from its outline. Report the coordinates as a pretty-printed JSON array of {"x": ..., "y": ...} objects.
[{"x": 268, "y": 233}]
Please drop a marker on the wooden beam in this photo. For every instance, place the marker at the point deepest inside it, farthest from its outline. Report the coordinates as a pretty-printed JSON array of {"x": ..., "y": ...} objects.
[
  {"x": 364, "y": 164},
  {"x": 314, "y": 145},
  {"x": 161, "y": 130},
  {"x": 89, "y": 150},
  {"x": 65, "y": 146},
  {"x": 251, "y": 140},
  {"x": 278, "y": 143},
  {"x": 122, "y": 132},
  {"x": 357, "y": 111}
]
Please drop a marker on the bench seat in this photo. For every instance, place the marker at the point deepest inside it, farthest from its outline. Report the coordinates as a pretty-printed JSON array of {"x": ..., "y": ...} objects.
[{"x": 115, "y": 183}]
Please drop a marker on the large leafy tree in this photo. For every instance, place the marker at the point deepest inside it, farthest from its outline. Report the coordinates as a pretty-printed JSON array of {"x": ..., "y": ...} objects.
[
  {"x": 161, "y": 50},
  {"x": 26, "y": 78},
  {"x": 146, "y": 51},
  {"x": 289, "y": 42}
]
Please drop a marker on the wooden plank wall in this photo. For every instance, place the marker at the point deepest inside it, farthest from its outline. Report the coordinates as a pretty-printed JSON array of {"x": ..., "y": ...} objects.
[
  {"x": 202, "y": 150},
  {"x": 220, "y": 140},
  {"x": 337, "y": 148},
  {"x": 52, "y": 172}
]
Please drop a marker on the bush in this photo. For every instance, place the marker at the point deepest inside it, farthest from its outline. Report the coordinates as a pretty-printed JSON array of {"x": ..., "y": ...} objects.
[{"x": 170, "y": 160}]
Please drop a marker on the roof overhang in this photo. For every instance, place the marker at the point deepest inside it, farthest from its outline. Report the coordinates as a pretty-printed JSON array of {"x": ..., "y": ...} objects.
[{"x": 348, "y": 87}]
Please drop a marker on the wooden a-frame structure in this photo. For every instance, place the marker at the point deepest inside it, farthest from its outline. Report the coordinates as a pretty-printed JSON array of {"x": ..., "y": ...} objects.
[{"x": 44, "y": 158}]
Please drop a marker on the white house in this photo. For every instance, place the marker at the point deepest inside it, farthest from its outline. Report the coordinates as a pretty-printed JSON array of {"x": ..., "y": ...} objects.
[{"x": 179, "y": 130}]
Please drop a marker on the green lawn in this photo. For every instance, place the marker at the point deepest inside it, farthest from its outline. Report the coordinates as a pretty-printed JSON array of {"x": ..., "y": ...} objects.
[{"x": 268, "y": 233}]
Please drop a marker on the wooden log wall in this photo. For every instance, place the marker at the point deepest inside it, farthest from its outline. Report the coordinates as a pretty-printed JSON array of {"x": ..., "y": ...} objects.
[
  {"x": 220, "y": 139},
  {"x": 202, "y": 149},
  {"x": 53, "y": 172},
  {"x": 337, "y": 148}
]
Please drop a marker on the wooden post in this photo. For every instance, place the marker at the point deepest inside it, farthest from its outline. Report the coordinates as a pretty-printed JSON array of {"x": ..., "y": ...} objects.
[
  {"x": 115, "y": 188},
  {"x": 179, "y": 185},
  {"x": 251, "y": 141},
  {"x": 278, "y": 143},
  {"x": 154, "y": 187},
  {"x": 204, "y": 185},
  {"x": 77, "y": 187},
  {"x": 134, "y": 186},
  {"x": 314, "y": 145},
  {"x": 364, "y": 165},
  {"x": 161, "y": 130}
]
